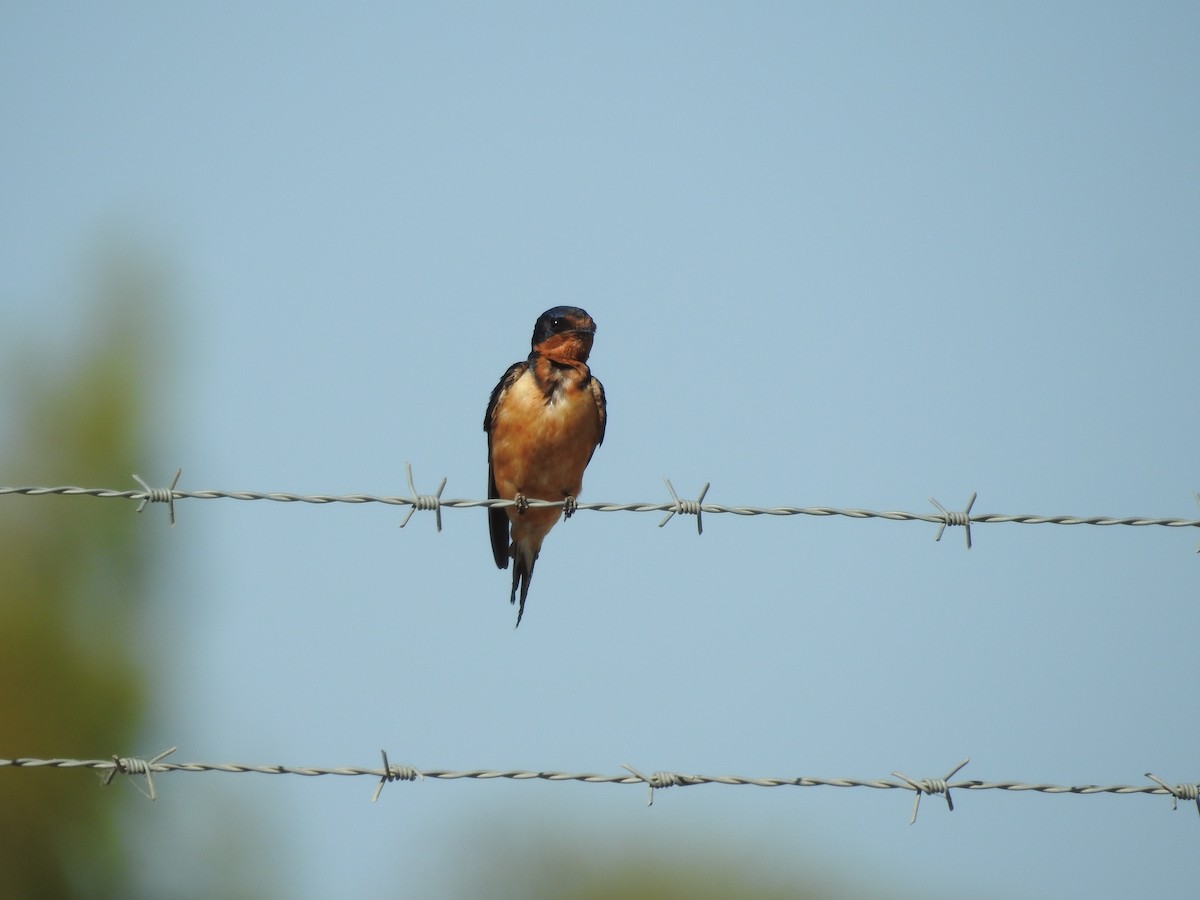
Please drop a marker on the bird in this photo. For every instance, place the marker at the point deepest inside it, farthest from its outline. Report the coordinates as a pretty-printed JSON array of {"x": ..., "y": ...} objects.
[{"x": 545, "y": 419}]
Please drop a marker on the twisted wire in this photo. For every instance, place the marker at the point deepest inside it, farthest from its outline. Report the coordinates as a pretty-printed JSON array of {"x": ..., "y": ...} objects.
[
  {"x": 657, "y": 781},
  {"x": 435, "y": 502}
]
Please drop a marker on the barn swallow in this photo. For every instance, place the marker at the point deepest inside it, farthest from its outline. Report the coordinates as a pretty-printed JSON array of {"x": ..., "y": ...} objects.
[{"x": 544, "y": 421}]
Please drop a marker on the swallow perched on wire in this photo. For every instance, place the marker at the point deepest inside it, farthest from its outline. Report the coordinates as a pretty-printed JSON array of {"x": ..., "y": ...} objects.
[{"x": 544, "y": 421}]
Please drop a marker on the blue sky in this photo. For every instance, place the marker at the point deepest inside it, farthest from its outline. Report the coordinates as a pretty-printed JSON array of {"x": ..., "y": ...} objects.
[{"x": 851, "y": 255}]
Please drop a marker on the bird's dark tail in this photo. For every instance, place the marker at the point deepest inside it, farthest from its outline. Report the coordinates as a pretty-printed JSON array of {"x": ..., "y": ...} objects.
[{"x": 523, "y": 561}]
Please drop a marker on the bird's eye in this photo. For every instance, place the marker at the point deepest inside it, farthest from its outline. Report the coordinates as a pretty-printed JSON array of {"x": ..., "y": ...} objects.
[{"x": 556, "y": 322}]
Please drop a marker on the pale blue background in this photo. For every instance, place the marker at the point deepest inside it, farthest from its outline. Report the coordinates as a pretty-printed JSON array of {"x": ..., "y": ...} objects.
[{"x": 839, "y": 254}]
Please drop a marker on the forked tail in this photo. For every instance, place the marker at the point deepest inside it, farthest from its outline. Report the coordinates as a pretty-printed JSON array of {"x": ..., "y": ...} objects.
[{"x": 523, "y": 560}]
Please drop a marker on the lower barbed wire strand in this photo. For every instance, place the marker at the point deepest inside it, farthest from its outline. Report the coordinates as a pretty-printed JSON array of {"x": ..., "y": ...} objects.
[{"x": 657, "y": 781}]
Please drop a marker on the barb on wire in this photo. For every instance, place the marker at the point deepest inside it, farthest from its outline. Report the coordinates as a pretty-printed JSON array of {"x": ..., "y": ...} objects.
[
  {"x": 686, "y": 507},
  {"x": 160, "y": 495},
  {"x": 955, "y": 518},
  {"x": 662, "y": 780},
  {"x": 931, "y": 786},
  {"x": 1179, "y": 791},
  {"x": 423, "y": 501},
  {"x": 129, "y": 765},
  {"x": 392, "y": 772},
  {"x": 942, "y": 518}
]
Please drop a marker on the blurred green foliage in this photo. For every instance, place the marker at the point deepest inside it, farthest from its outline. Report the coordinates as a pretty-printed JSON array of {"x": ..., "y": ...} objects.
[
  {"x": 73, "y": 578},
  {"x": 550, "y": 859}
]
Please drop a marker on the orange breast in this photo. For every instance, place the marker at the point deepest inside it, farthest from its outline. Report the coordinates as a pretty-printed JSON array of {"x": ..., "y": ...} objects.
[{"x": 540, "y": 449}]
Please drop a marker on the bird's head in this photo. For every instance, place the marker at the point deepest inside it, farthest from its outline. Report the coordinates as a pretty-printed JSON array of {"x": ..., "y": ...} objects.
[{"x": 564, "y": 332}]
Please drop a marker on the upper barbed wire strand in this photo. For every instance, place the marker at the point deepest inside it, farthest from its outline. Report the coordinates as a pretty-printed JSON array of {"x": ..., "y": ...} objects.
[{"x": 436, "y": 503}]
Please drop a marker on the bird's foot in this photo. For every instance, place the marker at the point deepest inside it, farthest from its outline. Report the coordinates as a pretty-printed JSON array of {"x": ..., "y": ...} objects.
[
  {"x": 522, "y": 504},
  {"x": 569, "y": 506}
]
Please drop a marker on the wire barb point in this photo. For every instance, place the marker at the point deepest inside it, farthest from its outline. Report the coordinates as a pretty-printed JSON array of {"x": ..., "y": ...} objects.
[
  {"x": 127, "y": 765},
  {"x": 686, "y": 507},
  {"x": 423, "y": 501},
  {"x": 1179, "y": 791},
  {"x": 955, "y": 518},
  {"x": 394, "y": 773},
  {"x": 931, "y": 785},
  {"x": 659, "y": 780},
  {"x": 160, "y": 495}
]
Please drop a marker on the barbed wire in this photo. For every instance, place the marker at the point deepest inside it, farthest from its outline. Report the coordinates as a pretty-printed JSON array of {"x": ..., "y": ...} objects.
[
  {"x": 677, "y": 506},
  {"x": 134, "y": 766}
]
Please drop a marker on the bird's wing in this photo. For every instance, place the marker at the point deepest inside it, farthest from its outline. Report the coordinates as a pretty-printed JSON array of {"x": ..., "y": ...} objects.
[
  {"x": 598, "y": 393},
  {"x": 497, "y": 517}
]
